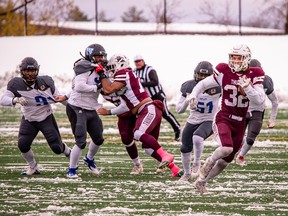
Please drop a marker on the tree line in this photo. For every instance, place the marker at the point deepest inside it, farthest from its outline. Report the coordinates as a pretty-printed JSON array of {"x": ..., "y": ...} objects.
[{"x": 42, "y": 13}]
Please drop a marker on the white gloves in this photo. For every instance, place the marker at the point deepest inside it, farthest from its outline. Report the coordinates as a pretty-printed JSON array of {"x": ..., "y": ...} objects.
[
  {"x": 244, "y": 81},
  {"x": 271, "y": 124},
  {"x": 192, "y": 100},
  {"x": 21, "y": 100}
]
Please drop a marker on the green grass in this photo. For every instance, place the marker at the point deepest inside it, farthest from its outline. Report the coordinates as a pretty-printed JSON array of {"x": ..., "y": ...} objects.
[{"x": 260, "y": 188}]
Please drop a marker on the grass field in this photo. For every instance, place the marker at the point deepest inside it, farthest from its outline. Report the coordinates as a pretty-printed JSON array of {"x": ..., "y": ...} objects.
[{"x": 261, "y": 188}]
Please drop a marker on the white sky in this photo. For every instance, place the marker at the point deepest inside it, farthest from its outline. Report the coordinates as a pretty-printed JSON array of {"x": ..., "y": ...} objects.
[{"x": 173, "y": 57}]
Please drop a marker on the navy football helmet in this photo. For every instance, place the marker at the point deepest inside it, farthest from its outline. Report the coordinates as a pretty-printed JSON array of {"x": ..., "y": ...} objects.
[
  {"x": 29, "y": 69},
  {"x": 203, "y": 68},
  {"x": 95, "y": 50}
]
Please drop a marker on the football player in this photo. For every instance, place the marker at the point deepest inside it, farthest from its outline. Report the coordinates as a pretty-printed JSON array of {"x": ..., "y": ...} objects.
[
  {"x": 255, "y": 114},
  {"x": 199, "y": 123},
  {"x": 35, "y": 94},
  {"x": 126, "y": 123},
  {"x": 81, "y": 106},
  {"x": 146, "y": 126},
  {"x": 229, "y": 122}
]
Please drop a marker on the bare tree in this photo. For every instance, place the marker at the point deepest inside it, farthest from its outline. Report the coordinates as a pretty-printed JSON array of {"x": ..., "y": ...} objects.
[
  {"x": 276, "y": 14},
  {"x": 103, "y": 18},
  {"x": 133, "y": 15},
  {"x": 270, "y": 14},
  {"x": 222, "y": 16},
  {"x": 172, "y": 14}
]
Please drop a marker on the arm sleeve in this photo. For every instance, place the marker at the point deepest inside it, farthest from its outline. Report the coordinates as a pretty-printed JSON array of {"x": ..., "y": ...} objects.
[
  {"x": 122, "y": 108},
  {"x": 182, "y": 105},
  {"x": 6, "y": 98},
  {"x": 207, "y": 83},
  {"x": 81, "y": 83},
  {"x": 274, "y": 101},
  {"x": 255, "y": 93},
  {"x": 68, "y": 93}
]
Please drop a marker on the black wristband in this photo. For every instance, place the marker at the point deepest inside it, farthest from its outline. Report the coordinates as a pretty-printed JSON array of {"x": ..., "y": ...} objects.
[{"x": 102, "y": 75}]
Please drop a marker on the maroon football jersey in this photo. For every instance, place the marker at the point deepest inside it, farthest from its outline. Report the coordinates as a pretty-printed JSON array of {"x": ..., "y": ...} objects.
[
  {"x": 233, "y": 102},
  {"x": 135, "y": 92}
]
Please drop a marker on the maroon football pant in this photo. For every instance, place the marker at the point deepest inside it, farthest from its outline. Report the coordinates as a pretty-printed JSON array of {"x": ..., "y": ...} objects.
[{"x": 229, "y": 132}]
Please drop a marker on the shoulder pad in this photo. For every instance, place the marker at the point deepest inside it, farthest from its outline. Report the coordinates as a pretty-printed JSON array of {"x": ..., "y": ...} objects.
[
  {"x": 44, "y": 82},
  {"x": 187, "y": 87},
  {"x": 83, "y": 66},
  {"x": 16, "y": 84}
]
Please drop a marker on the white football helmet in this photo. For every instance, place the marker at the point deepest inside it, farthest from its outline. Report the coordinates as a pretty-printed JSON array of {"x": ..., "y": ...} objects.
[
  {"x": 243, "y": 51},
  {"x": 116, "y": 63}
]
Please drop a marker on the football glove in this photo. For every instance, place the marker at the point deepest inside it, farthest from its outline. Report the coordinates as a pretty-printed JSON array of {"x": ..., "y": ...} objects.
[
  {"x": 192, "y": 101},
  {"x": 244, "y": 81},
  {"x": 99, "y": 68},
  {"x": 21, "y": 100}
]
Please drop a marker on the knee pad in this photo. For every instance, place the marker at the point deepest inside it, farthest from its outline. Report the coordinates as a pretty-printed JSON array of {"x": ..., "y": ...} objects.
[
  {"x": 185, "y": 149},
  {"x": 81, "y": 145},
  {"x": 148, "y": 151},
  {"x": 23, "y": 148},
  {"x": 99, "y": 142},
  {"x": 227, "y": 150},
  {"x": 138, "y": 134},
  {"x": 56, "y": 148},
  {"x": 250, "y": 141}
]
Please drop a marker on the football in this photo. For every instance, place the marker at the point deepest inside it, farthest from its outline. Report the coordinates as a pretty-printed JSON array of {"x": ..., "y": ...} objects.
[{"x": 241, "y": 90}]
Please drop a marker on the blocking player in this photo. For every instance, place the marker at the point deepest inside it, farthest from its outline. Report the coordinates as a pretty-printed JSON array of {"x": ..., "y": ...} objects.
[{"x": 148, "y": 112}]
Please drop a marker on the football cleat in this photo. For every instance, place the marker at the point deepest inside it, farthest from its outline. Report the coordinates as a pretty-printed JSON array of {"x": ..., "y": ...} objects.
[
  {"x": 178, "y": 174},
  {"x": 160, "y": 171},
  {"x": 137, "y": 169},
  {"x": 91, "y": 165},
  {"x": 31, "y": 171},
  {"x": 185, "y": 178},
  {"x": 72, "y": 173},
  {"x": 206, "y": 168},
  {"x": 166, "y": 160},
  {"x": 200, "y": 186},
  {"x": 240, "y": 161},
  {"x": 195, "y": 169}
]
